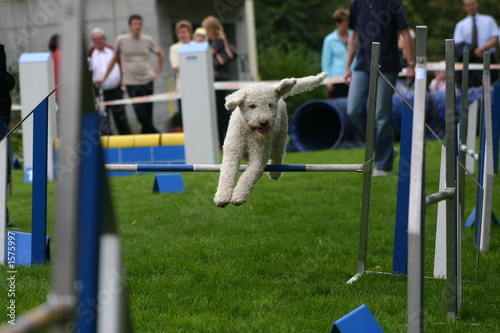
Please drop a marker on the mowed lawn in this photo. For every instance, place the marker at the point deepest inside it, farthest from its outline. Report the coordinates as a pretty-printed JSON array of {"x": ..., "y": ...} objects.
[{"x": 278, "y": 263}]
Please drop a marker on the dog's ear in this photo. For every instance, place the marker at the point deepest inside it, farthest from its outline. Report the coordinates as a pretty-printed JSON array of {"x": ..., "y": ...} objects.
[
  {"x": 235, "y": 99},
  {"x": 284, "y": 87}
]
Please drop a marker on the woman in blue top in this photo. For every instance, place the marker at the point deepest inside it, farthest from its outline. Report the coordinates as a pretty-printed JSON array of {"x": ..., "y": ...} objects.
[{"x": 334, "y": 53}]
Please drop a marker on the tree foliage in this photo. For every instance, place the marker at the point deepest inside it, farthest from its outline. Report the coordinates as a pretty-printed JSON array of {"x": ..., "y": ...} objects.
[
  {"x": 290, "y": 34},
  {"x": 292, "y": 24}
]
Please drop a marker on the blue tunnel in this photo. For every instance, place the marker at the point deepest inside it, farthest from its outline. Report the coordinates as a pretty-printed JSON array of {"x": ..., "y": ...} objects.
[
  {"x": 320, "y": 124},
  {"x": 324, "y": 124}
]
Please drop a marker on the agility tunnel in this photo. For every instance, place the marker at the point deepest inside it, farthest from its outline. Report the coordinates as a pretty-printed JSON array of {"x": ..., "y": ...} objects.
[
  {"x": 320, "y": 124},
  {"x": 324, "y": 124}
]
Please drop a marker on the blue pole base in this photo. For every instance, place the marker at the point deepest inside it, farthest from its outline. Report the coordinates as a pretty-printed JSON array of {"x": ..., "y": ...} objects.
[
  {"x": 472, "y": 218},
  {"x": 359, "y": 320},
  {"x": 171, "y": 183},
  {"x": 16, "y": 163},
  {"x": 18, "y": 252}
]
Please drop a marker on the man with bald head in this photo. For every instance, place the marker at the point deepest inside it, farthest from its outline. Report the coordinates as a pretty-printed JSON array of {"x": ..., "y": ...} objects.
[
  {"x": 477, "y": 33},
  {"x": 99, "y": 57}
]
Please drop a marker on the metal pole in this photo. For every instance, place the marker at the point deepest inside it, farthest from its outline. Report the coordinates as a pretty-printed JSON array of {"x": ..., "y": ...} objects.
[
  {"x": 463, "y": 135},
  {"x": 367, "y": 169},
  {"x": 480, "y": 191},
  {"x": 252, "y": 39},
  {"x": 460, "y": 187},
  {"x": 451, "y": 176},
  {"x": 417, "y": 200},
  {"x": 67, "y": 208}
]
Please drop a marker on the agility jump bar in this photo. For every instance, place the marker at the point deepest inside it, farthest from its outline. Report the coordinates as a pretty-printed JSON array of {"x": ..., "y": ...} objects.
[
  {"x": 235, "y": 85},
  {"x": 440, "y": 196},
  {"x": 469, "y": 152},
  {"x": 216, "y": 167}
]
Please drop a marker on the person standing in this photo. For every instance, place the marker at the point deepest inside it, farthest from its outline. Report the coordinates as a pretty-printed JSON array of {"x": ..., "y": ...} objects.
[
  {"x": 55, "y": 53},
  {"x": 438, "y": 83},
  {"x": 218, "y": 42},
  {"x": 133, "y": 49},
  {"x": 184, "y": 33},
  {"x": 99, "y": 57},
  {"x": 376, "y": 21},
  {"x": 334, "y": 53},
  {"x": 7, "y": 83},
  {"x": 477, "y": 33},
  {"x": 200, "y": 35}
]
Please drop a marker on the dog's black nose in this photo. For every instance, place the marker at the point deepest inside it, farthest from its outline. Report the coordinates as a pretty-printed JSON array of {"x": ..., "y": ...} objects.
[{"x": 263, "y": 122}]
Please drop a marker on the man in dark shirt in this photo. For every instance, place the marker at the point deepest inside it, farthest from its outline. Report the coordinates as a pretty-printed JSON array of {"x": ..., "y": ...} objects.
[{"x": 377, "y": 21}]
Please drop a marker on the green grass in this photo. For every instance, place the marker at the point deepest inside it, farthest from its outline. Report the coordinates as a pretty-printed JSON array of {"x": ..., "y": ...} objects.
[{"x": 280, "y": 262}]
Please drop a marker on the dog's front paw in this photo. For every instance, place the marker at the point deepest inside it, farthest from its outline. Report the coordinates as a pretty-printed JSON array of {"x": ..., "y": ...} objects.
[
  {"x": 274, "y": 175},
  {"x": 222, "y": 199},
  {"x": 239, "y": 199}
]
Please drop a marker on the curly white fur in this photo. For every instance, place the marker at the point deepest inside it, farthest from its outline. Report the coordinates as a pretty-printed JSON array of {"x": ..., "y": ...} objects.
[{"x": 257, "y": 133}]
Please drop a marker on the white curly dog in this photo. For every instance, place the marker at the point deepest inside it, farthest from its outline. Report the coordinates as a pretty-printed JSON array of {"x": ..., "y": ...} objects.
[{"x": 257, "y": 133}]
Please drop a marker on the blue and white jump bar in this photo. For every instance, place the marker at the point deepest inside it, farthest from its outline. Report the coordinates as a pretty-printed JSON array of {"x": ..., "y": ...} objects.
[
  {"x": 216, "y": 167},
  {"x": 440, "y": 196},
  {"x": 469, "y": 152}
]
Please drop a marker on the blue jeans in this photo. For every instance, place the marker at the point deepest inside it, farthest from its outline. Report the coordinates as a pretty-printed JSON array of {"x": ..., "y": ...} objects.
[{"x": 356, "y": 109}]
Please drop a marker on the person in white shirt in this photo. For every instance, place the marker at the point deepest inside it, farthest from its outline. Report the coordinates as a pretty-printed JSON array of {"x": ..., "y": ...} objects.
[
  {"x": 477, "y": 33},
  {"x": 133, "y": 50},
  {"x": 99, "y": 57},
  {"x": 184, "y": 33}
]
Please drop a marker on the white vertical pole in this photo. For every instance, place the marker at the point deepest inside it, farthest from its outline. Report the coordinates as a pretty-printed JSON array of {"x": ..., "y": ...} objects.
[
  {"x": 69, "y": 160},
  {"x": 440, "y": 245},
  {"x": 416, "y": 206},
  {"x": 252, "y": 39},
  {"x": 488, "y": 160},
  {"x": 111, "y": 302}
]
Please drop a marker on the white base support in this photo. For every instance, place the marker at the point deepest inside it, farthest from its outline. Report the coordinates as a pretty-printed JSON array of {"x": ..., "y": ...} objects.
[
  {"x": 36, "y": 78},
  {"x": 440, "y": 245},
  {"x": 470, "y": 162},
  {"x": 199, "y": 112},
  {"x": 487, "y": 203}
]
